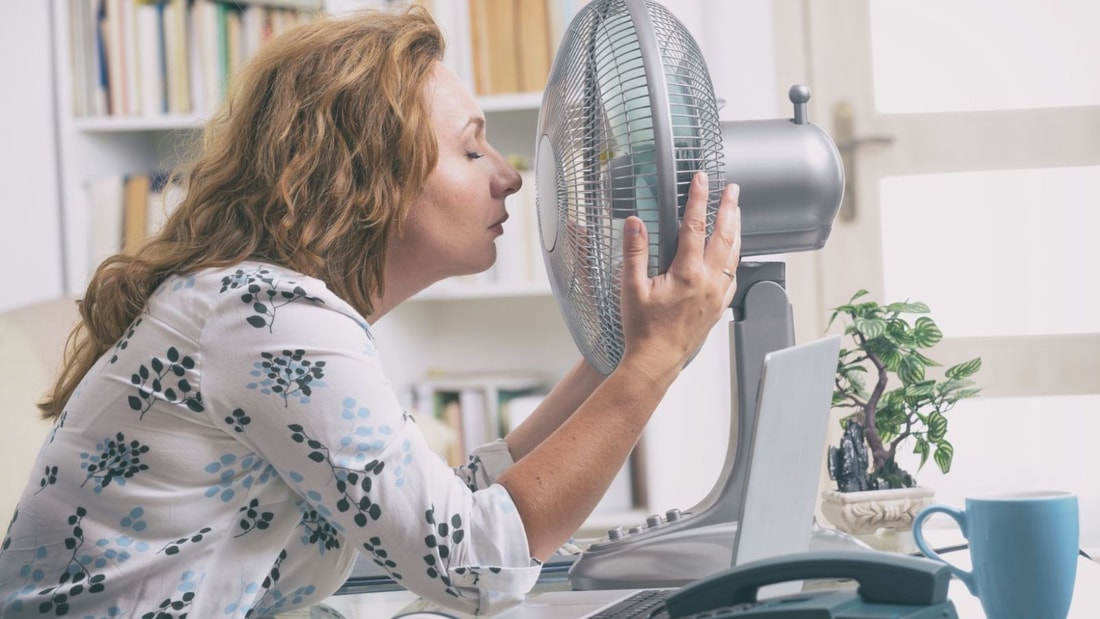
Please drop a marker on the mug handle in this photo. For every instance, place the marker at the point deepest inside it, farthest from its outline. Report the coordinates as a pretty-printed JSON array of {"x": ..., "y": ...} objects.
[{"x": 959, "y": 517}]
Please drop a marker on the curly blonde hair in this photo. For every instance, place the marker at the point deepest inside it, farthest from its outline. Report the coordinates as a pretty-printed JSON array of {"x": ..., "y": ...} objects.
[{"x": 312, "y": 162}]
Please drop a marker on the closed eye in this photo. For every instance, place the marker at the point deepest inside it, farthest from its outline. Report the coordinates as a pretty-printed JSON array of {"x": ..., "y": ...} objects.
[{"x": 473, "y": 155}]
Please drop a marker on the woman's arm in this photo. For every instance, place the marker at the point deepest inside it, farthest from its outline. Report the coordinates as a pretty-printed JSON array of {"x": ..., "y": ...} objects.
[
  {"x": 558, "y": 482},
  {"x": 565, "y": 398}
]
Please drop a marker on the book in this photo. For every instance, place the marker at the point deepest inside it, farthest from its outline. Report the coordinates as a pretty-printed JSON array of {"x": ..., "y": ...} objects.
[
  {"x": 150, "y": 55},
  {"x": 473, "y": 404},
  {"x": 205, "y": 35},
  {"x": 533, "y": 46},
  {"x": 479, "y": 45},
  {"x": 131, "y": 89},
  {"x": 178, "y": 75},
  {"x": 451, "y": 415},
  {"x": 110, "y": 32},
  {"x": 477, "y": 420},
  {"x": 503, "y": 46},
  {"x": 135, "y": 212}
]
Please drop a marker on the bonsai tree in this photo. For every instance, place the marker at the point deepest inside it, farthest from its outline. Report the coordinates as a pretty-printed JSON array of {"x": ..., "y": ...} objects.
[{"x": 887, "y": 413}]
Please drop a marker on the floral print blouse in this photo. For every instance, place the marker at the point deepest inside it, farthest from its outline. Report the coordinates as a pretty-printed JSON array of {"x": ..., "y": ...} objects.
[{"x": 233, "y": 454}]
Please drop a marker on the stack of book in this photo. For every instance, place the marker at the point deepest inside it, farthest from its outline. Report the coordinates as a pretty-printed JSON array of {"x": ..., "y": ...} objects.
[
  {"x": 167, "y": 57},
  {"x": 502, "y": 46},
  {"x": 478, "y": 408}
]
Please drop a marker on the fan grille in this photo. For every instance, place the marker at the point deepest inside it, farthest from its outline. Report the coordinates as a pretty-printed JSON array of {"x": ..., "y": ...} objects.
[{"x": 628, "y": 117}]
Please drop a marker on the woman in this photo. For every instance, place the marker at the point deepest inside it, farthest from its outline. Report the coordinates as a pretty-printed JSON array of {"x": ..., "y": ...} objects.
[{"x": 226, "y": 440}]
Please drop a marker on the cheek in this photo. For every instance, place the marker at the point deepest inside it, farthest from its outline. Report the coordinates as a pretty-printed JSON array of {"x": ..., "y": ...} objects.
[{"x": 432, "y": 227}]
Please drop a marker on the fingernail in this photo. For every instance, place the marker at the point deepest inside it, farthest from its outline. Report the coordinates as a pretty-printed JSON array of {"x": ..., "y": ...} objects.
[
  {"x": 701, "y": 179},
  {"x": 733, "y": 190}
]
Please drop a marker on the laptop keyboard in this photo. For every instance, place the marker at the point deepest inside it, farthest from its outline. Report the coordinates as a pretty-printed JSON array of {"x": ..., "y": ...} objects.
[{"x": 643, "y": 604}]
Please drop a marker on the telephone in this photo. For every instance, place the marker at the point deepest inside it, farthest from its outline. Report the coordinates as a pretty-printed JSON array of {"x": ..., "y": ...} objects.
[{"x": 890, "y": 585}]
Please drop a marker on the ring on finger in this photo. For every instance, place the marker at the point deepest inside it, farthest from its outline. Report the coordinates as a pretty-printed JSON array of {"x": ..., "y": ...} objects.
[{"x": 730, "y": 274}]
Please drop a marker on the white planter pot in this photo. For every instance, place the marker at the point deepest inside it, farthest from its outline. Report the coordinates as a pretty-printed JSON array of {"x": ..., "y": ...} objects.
[{"x": 875, "y": 516}]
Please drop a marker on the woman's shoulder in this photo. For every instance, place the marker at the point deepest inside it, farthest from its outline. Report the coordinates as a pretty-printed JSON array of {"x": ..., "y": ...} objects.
[
  {"x": 257, "y": 282},
  {"x": 256, "y": 289}
]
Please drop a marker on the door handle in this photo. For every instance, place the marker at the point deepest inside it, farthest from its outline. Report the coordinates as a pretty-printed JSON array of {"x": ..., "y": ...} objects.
[{"x": 847, "y": 143}]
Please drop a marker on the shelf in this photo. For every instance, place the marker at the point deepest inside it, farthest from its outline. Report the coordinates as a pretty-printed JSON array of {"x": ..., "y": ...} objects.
[
  {"x": 525, "y": 101},
  {"x": 511, "y": 102},
  {"x": 456, "y": 291},
  {"x": 304, "y": 5},
  {"x": 118, "y": 124}
]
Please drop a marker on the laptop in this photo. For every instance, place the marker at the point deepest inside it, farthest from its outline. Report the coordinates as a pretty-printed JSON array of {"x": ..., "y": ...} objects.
[{"x": 793, "y": 401}]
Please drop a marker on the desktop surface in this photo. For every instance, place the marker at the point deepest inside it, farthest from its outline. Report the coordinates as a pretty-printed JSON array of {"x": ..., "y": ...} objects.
[{"x": 553, "y": 599}]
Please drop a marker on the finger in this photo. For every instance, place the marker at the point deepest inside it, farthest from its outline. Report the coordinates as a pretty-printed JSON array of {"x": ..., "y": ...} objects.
[
  {"x": 693, "y": 226},
  {"x": 724, "y": 246},
  {"x": 635, "y": 254}
]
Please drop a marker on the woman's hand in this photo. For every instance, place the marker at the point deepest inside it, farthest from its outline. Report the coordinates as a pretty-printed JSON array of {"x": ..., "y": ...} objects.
[{"x": 666, "y": 318}]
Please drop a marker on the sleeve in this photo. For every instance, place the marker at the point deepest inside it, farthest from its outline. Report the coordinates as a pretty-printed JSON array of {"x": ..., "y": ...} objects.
[
  {"x": 485, "y": 465},
  {"x": 299, "y": 382}
]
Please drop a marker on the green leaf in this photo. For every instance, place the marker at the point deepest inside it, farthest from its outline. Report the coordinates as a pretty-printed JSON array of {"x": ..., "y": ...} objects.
[
  {"x": 870, "y": 327},
  {"x": 906, "y": 307},
  {"x": 898, "y": 331},
  {"x": 964, "y": 369},
  {"x": 925, "y": 361},
  {"x": 925, "y": 332},
  {"x": 937, "y": 426},
  {"x": 911, "y": 370},
  {"x": 922, "y": 448},
  {"x": 945, "y": 452},
  {"x": 891, "y": 359},
  {"x": 922, "y": 389}
]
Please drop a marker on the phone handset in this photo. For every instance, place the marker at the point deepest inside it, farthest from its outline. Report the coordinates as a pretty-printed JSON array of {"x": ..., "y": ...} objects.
[{"x": 882, "y": 577}]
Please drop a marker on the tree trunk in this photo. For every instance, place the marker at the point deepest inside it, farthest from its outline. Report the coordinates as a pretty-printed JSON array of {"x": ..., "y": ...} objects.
[{"x": 879, "y": 453}]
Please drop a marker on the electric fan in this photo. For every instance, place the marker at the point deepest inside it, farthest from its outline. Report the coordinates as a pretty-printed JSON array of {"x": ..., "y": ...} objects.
[{"x": 628, "y": 116}]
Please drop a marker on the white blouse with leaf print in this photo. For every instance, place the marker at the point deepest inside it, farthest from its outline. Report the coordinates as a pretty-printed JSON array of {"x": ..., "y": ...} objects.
[{"x": 233, "y": 454}]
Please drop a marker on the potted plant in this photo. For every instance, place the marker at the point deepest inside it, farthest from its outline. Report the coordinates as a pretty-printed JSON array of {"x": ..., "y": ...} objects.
[{"x": 883, "y": 379}]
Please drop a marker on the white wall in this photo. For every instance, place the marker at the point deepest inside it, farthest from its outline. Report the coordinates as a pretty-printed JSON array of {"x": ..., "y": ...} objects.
[
  {"x": 687, "y": 439},
  {"x": 30, "y": 229}
]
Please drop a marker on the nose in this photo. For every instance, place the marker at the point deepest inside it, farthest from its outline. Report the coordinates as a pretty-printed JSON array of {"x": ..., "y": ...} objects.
[{"x": 509, "y": 180}]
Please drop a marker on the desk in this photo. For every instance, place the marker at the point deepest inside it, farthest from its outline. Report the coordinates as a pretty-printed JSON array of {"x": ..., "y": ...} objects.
[{"x": 384, "y": 601}]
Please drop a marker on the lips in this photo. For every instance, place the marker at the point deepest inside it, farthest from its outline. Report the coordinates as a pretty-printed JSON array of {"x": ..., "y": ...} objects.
[{"x": 500, "y": 222}]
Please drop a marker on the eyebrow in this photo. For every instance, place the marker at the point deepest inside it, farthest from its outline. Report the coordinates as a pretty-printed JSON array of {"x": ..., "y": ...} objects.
[{"x": 476, "y": 121}]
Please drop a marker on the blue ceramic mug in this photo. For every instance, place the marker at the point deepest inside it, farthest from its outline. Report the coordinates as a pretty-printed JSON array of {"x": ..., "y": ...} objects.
[{"x": 1023, "y": 549}]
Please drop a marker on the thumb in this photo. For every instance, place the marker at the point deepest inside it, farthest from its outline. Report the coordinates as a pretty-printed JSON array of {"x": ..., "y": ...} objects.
[{"x": 635, "y": 252}]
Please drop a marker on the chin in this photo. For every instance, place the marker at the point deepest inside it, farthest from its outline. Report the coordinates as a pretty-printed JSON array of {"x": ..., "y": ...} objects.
[{"x": 480, "y": 265}]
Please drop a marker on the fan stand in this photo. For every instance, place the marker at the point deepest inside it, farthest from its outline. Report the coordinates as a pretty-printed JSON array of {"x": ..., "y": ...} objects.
[{"x": 679, "y": 547}]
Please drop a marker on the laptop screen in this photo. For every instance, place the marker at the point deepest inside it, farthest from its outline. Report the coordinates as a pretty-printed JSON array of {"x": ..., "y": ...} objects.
[{"x": 787, "y": 451}]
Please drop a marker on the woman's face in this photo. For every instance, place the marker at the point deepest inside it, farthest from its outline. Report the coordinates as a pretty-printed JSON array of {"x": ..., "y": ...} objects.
[{"x": 451, "y": 227}]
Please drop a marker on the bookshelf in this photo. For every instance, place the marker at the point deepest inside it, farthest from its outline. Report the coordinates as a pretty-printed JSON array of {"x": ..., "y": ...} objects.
[{"x": 471, "y": 324}]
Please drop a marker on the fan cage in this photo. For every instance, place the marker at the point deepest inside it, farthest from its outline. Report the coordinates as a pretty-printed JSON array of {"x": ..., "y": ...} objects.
[{"x": 615, "y": 154}]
